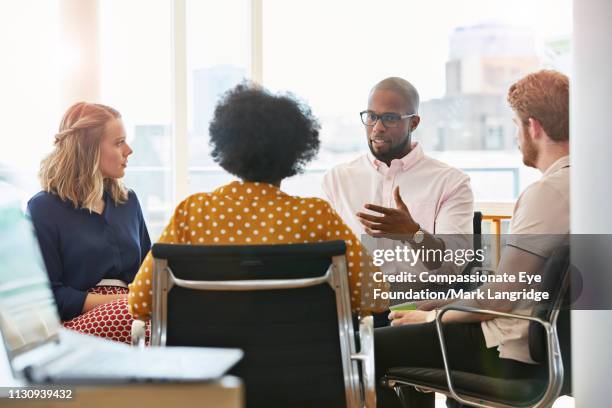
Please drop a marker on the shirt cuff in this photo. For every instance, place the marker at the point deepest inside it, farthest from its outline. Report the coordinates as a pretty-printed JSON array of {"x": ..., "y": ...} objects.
[{"x": 70, "y": 302}]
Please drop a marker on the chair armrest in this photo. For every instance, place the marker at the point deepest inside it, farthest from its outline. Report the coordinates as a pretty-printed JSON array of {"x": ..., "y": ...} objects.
[
  {"x": 483, "y": 270},
  {"x": 366, "y": 358},
  {"x": 138, "y": 333},
  {"x": 554, "y": 361}
]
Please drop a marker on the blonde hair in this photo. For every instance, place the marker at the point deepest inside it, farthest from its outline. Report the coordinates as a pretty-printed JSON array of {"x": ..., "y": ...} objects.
[{"x": 72, "y": 169}]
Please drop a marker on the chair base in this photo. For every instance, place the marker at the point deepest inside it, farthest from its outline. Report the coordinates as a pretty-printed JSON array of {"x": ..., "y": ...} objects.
[{"x": 511, "y": 392}]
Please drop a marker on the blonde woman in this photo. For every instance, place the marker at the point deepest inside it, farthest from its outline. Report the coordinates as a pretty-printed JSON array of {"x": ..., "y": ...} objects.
[{"x": 90, "y": 227}]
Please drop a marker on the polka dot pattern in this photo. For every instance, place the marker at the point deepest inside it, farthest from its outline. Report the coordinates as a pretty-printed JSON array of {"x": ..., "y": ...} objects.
[
  {"x": 109, "y": 320},
  {"x": 242, "y": 213}
]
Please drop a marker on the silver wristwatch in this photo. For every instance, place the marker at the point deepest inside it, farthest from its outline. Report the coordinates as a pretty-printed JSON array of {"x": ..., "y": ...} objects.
[{"x": 418, "y": 236}]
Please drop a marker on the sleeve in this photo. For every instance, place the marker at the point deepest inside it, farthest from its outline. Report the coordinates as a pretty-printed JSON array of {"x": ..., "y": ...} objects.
[
  {"x": 141, "y": 288},
  {"x": 540, "y": 220},
  {"x": 457, "y": 210},
  {"x": 366, "y": 291},
  {"x": 145, "y": 240},
  {"x": 69, "y": 300},
  {"x": 455, "y": 223}
]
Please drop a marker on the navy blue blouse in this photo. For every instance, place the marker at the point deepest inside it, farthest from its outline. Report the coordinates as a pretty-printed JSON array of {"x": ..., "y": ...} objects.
[{"x": 81, "y": 248}]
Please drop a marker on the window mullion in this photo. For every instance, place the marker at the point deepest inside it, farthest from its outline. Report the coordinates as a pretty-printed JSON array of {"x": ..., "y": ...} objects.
[
  {"x": 180, "y": 159},
  {"x": 256, "y": 33}
]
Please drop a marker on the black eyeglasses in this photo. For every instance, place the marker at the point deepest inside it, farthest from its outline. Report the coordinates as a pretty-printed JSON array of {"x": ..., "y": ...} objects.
[{"x": 389, "y": 120}]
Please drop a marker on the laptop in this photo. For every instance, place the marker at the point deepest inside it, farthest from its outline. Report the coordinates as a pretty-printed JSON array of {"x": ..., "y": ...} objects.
[{"x": 40, "y": 350}]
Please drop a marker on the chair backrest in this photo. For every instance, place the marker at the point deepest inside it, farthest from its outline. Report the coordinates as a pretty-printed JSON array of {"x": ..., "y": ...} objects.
[
  {"x": 477, "y": 225},
  {"x": 555, "y": 281},
  {"x": 477, "y": 242},
  {"x": 477, "y": 236},
  {"x": 286, "y": 306}
]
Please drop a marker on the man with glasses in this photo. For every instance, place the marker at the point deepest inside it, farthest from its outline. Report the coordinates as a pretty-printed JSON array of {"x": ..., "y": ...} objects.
[{"x": 409, "y": 196}]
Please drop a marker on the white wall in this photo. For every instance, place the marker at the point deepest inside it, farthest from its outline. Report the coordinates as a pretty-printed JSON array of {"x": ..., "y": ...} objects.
[
  {"x": 80, "y": 76},
  {"x": 591, "y": 195}
]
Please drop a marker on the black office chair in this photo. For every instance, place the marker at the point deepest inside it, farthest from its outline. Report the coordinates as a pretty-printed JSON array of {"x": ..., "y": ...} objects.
[
  {"x": 475, "y": 265},
  {"x": 549, "y": 344},
  {"x": 286, "y": 306},
  {"x": 477, "y": 228}
]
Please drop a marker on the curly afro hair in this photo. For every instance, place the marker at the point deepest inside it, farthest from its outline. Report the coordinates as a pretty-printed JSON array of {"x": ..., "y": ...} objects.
[{"x": 258, "y": 136}]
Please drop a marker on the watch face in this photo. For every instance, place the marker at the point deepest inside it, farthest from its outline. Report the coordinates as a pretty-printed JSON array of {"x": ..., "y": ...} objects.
[{"x": 418, "y": 236}]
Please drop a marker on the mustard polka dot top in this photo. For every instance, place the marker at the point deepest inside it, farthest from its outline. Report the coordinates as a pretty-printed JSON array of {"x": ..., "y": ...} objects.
[{"x": 244, "y": 213}]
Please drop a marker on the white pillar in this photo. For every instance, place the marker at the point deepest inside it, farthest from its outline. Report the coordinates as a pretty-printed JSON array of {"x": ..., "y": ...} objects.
[
  {"x": 256, "y": 34},
  {"x": 180, "y": 150},
  {"x": 80, "y": 53},
  {"x": 591, "y": 194}
]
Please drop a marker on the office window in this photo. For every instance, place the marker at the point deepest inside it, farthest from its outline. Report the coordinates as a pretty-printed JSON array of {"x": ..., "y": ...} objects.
[
  {"x": 460, "y": 55},
  {"x": 494, "y": 137},
  {"x": 32, "y": 59},
  {"x": 328, "y": 53},
  {"x": 218, "y": 47},
  {"x": 136, "y": 79}
]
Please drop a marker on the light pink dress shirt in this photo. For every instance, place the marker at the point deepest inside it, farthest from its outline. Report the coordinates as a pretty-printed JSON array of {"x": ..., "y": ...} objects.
[{"x": 438, "y": 196}]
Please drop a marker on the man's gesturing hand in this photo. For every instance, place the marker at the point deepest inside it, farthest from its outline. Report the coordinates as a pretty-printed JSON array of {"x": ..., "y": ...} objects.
[{"x": 393, "y": 223}]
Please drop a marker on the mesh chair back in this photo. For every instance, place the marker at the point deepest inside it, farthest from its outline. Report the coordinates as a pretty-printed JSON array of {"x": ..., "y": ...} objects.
[
  {"x": 477, "y": 242},
  {"x": 290, "y": 336},
  {"x": 555, "y": 281},
  {"x": 477, "y": 224}
]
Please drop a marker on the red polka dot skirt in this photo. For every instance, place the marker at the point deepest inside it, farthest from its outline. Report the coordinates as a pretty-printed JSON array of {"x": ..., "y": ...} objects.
[{"x": 110, "y": 320}]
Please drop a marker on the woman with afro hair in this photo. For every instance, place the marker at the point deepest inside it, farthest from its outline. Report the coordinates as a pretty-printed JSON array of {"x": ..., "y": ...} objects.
[{"x": 260, "y": 138}]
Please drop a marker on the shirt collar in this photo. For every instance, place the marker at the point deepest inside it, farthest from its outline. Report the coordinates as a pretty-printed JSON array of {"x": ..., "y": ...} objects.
[
  {"x": 70, "y": 205},
  {"x": 559, "y": 164},
  {"x": 242, "y": 189},
  {"x": 406, "y": 162}
]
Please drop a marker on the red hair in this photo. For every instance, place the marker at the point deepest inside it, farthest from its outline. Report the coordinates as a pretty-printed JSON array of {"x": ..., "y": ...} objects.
[{"x": 543, "y": 95}]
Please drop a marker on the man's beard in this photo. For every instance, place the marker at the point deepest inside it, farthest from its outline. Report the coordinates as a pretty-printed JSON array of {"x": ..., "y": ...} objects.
[
  {"x": 530, "y": 153},
  {"x": 396, "y": 152}
]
